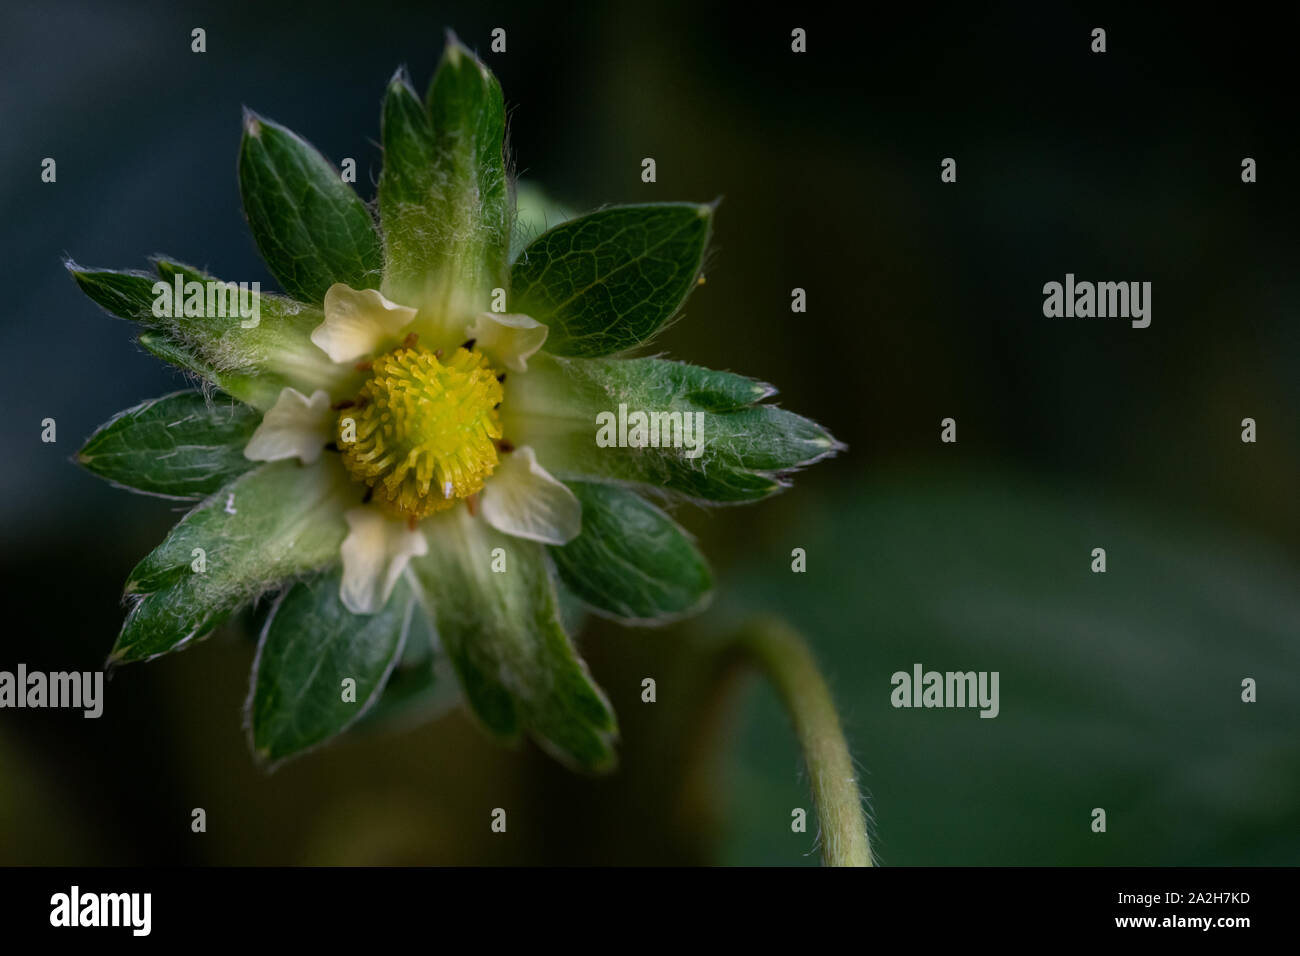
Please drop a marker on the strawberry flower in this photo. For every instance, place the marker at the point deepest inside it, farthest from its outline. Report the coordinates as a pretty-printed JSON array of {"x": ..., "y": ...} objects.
[{"x": 405, "y": 447}]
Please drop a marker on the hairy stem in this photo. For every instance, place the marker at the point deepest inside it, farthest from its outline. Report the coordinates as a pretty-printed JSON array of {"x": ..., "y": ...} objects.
[{"x": 781, "y": 654}]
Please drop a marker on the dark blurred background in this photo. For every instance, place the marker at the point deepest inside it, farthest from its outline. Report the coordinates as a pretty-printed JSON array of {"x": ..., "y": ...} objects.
[{"x": 924, "y": 301}]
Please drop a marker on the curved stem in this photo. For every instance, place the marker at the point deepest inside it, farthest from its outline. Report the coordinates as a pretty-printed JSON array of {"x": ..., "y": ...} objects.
[{"x": 783, "y": 657}]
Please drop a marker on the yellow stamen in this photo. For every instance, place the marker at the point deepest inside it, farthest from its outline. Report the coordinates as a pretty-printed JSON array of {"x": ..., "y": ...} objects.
[{"x": 423, "y": 433}]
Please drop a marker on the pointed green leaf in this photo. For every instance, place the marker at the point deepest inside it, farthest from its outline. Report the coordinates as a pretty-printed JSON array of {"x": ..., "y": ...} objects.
[
  {"x": 608, "y": 281},
  {"x": 254, "y": 390},
  {"x": 183, "y": 445},
  {"x": 254, "y": 364},
  {"x": 309, "y": 225},
  {"x": 736, "y": 450},
  {"x": 169, "y": 269},
  {"x": 126, "y": 294},
  {"x": 251, "y": 359},
  {"x": 163, "y": 346},
  {"x": 443, "y": 195},
  {"x": 310, "y": 646},
  {"x": 631, "y": 560},
  {"x": 264, "y": 527},
  {"x": 414, "y": 237},
  {"x": 515, "y": 664}
]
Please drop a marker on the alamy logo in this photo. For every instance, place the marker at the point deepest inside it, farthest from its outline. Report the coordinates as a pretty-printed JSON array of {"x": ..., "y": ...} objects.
[
  {"x": 211, "y": 299},
  {"x": 103, "y": 909},
  {"x": 651, "y": 430},
  {"x": 1086, "y": 300},
  {"x": 78, "y": 690},
  {"x": 950, "y": 689}
]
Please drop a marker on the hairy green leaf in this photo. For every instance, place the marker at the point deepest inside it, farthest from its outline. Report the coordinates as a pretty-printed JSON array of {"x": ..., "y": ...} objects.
[
  {"x": 443, "y": 194},
  {"x": 514, "y": 662},
  {"x": 183, "y": 445},
  {"x": 310, "y": 226},
  {"x": 126, "y": 294},
  {"x": 631, "y": 560},
  {"x": 742, "y": 450},
  {"x": 412, "y": 232},
  {"x": 471, "y": 191},
  {"x": 251, "y": 359},
  {"x": 310, "y": 646},
  {"x": 266, "y": 526}
]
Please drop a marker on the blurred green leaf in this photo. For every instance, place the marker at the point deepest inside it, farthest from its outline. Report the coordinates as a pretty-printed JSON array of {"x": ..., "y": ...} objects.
[
  {"x": 1119, "y": 690},
  {"x": 535, "y": 212}
]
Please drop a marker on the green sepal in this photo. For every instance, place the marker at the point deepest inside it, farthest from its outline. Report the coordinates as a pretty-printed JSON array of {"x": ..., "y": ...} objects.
[
  {"x": 311, "y": 228},
  {"x": 310, "y": 646},
  {"x": 609, "y": 281},
  {"x": 131, "y": 294},
  {"x": 444, "y": 197},
  {"x": 746, "y": 449},
  {"x": 251, "y": 363},
  {"x": 468, "y": 115},
  {"x": 247, "y": 387},
  {"x": 270, "y": 524},
  {"x": 516, "y": 667},
  {"x": 170, "y": 268},
  {"x": 184, "y": 445},
  {"x": 631, "y": 560},
  {"x": 412, "y": 232},
  {"x": 127, "y": 294}
]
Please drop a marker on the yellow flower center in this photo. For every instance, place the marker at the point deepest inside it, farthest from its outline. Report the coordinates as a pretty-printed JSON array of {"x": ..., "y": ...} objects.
[{"x": 422, "y": 433}]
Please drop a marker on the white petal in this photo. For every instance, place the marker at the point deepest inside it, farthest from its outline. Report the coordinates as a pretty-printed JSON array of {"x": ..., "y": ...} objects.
[
  {"x": 294, "y": 426},
  {"x": 375, "y": 553},
  {"x": 358, "y": 322},
  {"x": 524, "y": 500},
  {"x": 507, "y": 339}
]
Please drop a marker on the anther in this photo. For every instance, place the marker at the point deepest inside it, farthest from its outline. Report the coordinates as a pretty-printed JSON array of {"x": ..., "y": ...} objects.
[
  {"x": 425, "y": 431},
  {"x": 410, "y": 340}
]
